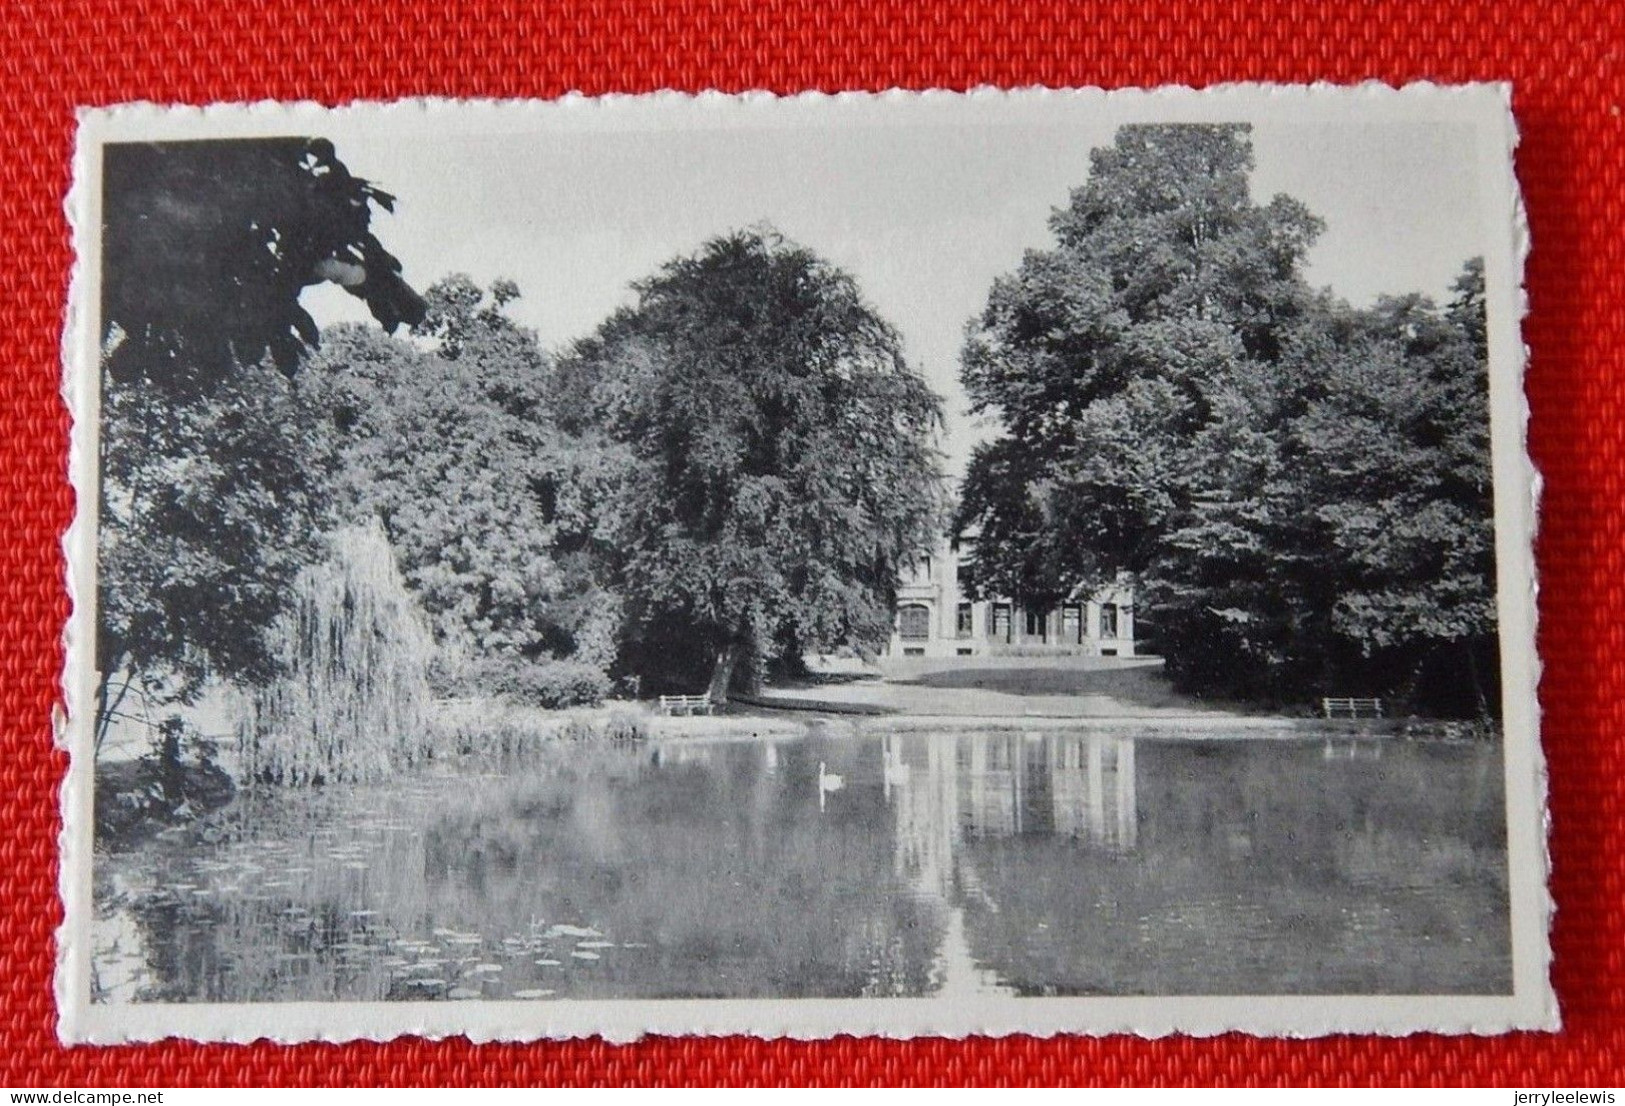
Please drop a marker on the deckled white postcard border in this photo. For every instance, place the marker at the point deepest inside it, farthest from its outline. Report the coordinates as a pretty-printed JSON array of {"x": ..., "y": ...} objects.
[{"x": 1532, "y": 1005}]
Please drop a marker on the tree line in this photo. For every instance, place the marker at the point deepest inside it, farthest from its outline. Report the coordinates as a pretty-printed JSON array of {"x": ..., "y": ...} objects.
[
  {"x": 728, "y": 473},
  {"x": 733, "y": 470},
  {"x": 1299, "y": 489},
  {"x": 723, "y": 477}
]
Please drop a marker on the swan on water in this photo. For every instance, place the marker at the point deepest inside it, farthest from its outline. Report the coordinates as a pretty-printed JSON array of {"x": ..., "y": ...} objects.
[{"x": 827, "y": 781}]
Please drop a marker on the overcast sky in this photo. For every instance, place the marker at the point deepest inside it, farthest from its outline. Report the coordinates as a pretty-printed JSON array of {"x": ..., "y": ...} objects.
[{"x": 923, "y": 217}]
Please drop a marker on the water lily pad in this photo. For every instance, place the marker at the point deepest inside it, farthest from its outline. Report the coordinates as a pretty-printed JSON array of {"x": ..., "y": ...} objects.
[
  {"x": 464, "y": 993},
  {"x": 548, "y": 963},
  {"x": 572, "y": 931},
  {"x": 585, "y": 955},
  {"x": 485, "y": 969},
  {"x": 595, "y": 944},
  {"x": 534, "y": 992}
]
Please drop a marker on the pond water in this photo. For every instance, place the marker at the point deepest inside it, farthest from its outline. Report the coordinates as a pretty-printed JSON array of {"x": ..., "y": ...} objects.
[{"x": 1037, "y": 863}]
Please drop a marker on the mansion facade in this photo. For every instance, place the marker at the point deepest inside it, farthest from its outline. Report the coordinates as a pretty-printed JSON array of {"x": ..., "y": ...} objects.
[{"x": 937, "y": 618}]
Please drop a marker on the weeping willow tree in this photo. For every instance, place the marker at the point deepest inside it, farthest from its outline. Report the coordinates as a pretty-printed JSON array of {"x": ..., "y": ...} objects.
[{"x": 353, "y": 704}]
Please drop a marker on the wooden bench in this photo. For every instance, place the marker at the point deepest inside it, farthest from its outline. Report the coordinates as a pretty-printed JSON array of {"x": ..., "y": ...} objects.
[
  {"x": 1351, "y": 708},
  {"x": 685, "y": 704}
]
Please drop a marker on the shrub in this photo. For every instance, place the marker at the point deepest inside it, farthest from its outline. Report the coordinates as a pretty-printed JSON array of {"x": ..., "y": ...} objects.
[
  {"x": 175, "y": 783},
  {"x": 624, "y": 725},
  {"x": 495, "y": 729},
  {"x": 551, "y": 684}
]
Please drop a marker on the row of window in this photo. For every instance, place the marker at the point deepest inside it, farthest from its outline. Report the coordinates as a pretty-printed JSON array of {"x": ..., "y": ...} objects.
[
  {"x": 922, "y": 571},
  {"x": 914, "y": 622}
]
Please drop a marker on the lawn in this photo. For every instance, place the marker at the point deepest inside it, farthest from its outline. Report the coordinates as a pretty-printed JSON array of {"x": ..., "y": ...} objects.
[{"x": 1141, "y": 685}]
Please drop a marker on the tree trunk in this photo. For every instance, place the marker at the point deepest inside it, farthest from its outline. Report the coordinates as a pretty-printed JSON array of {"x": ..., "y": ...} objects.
[
  {"x": 1407, "y": 690},
  {"x": 170, "y": 772},
  {"x": 1485, "y": 717},
  {"x": 722, "y": 673},
  {"x": 738, "y": 663},
  {"x": 104, "y": 715},
  {"x": 106, "y": 707},
  {"x": 748, "y": 672}
]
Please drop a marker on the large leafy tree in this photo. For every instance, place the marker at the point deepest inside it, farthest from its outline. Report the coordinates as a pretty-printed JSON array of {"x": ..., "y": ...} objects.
[
  {"x": 451, "y": 442},
  {"x": 780, "y": 466},
  {"x": 212, "y": 462},
  {"x": 1301, "y": 489},
  {"x": 1393, "y": 447},
  {"x": 1103, "y": 354},
  {"x": 211, "y": 505},
  {"x": 1343, "y": 532}
]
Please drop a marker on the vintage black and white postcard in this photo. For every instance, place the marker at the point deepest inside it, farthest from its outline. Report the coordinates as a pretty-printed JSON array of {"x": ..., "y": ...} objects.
[{"x": 887, "y": 564}]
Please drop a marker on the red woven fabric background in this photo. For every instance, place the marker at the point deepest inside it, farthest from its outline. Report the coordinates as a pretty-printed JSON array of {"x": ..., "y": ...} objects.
[{"x": 1566, "y": 61}]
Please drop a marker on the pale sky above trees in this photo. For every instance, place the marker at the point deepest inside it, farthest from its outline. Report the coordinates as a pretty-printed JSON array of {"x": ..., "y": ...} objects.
[{"x": 925, "y": 217}]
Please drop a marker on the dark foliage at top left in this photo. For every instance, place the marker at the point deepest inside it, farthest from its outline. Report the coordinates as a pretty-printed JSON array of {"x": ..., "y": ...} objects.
[{"x": 208, "y": 244}]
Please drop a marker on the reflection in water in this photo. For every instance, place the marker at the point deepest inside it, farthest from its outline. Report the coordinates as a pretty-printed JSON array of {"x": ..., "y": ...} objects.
[
  {"x": 997, "y": 785},
  {"x": 902, "y": 864},
  {"x": 120, "y": 970}
]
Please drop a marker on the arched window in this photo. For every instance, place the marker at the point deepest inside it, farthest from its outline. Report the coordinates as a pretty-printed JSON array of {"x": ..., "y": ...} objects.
[
  {"x": 914, "y": 622},
  {"x": 1037, "y": 623}
]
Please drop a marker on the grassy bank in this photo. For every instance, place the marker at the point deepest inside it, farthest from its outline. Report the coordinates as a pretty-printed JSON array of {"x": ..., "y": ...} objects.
[
  {"x": 1006, "y": 692},
  {"x": 1136, "y": 684},
  {"x": 138, "y": 798},
  {"x": 494, "y": 728}
]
